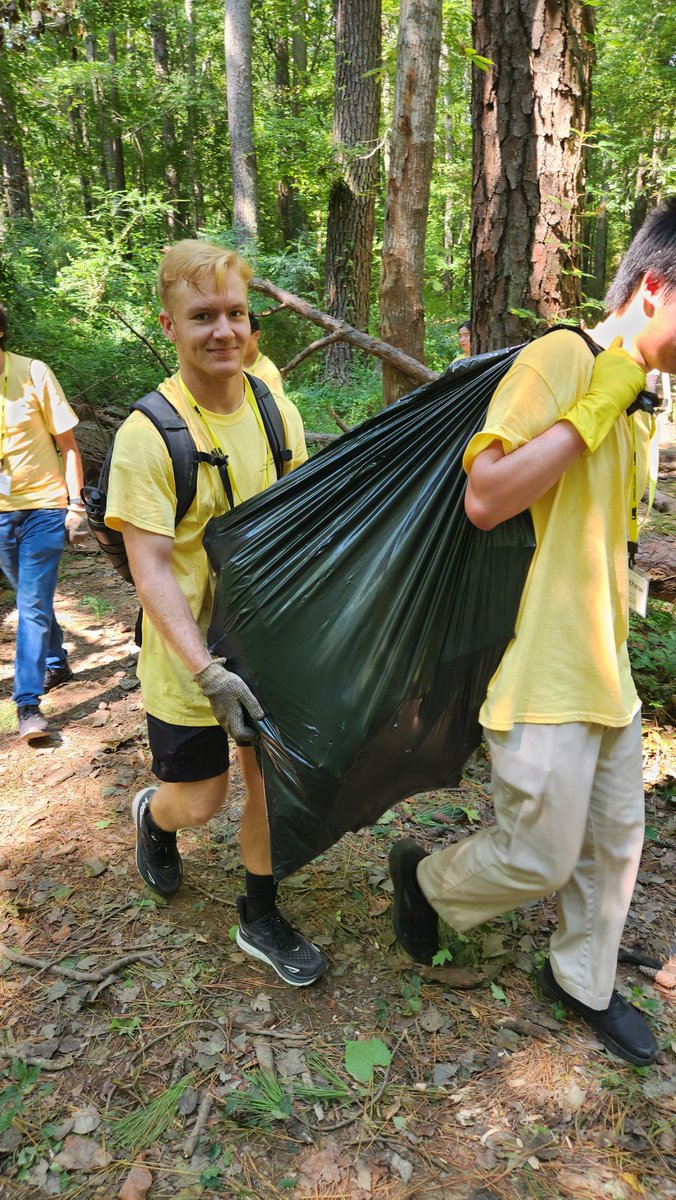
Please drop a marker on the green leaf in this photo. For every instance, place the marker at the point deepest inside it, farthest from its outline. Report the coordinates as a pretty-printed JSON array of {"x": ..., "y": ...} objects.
[
  {"x": 232, "y": 933},
  {"x": 362, "y": 1057},
  {"x": 498, "y": 993},
  {"x": 442, "y": 956},
  {"x": 102, "y": 824}
]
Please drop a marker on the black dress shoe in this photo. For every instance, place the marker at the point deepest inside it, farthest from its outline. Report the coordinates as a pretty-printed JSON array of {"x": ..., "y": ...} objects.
[
  {"x": 415, "y": 922},
  {"x": 55, "y": 676},
  {"x": 620, "y": 1026}
]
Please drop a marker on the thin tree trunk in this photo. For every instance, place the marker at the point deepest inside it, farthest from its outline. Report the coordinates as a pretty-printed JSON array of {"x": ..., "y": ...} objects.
[
  {"x": 117, "y": 149},
  {"x": 408, "y": 186},
  {"x": 351, "y": 212},
  {"x": 78, "y": 135},
  {"x": 91, "y": 50},
  {"x": 177, "y": 214},
  {"x": 530, "y": 112},
  {"x": 194, "y": 164},
  {"x": 238, "y": 50},
  {"x": 15, "y": 185}
]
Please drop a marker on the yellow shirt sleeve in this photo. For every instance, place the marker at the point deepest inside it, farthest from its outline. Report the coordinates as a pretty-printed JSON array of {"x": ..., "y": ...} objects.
[
  {"x": 545, "y": 381},
  {"x": 57, "y": 412},
  {"x": 141, "y": 485}
]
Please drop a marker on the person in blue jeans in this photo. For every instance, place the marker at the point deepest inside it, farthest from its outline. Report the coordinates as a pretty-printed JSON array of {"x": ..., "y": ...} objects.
[{"x": 40, "y": 482}]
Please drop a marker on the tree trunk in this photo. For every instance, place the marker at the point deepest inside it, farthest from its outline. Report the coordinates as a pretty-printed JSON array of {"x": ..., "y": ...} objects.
[
  {"x": 160, "y": 45},
  {"x": 530, "y": 112},
  {"x": 351, "y": 208},
  {"x": 99, "y": 118},
  {"x": 238, "y": 51},
  {"x": 117, "y": 149},
  {"x": 15, "y": 187},
  {"x": 78, "y": 136},
  {"x": 408, "y": 186},
  {"x": 194, "y": 164}
]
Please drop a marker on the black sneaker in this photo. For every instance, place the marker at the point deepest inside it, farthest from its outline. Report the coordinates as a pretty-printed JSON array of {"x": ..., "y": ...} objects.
[
  {"x": 274, "y": 941},
  {"x": 55, "y": 676},
  {"x": 620, "y": 1026},
  {"x": 32, "y": 724},
  {"x": 416, "y": 924},
  {"x": 157, "y": 857}
]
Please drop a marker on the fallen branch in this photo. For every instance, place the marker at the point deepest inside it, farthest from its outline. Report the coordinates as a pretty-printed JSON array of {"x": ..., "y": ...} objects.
[
  {"x": 321, "y": 439},
  {"x": 340, "y": 422},
  {"x": 313, "y": 347},
  {"x": 200, "y": 1125},
  {"x": 43, "y": 964},
  {"x": 396, "y": 358}
]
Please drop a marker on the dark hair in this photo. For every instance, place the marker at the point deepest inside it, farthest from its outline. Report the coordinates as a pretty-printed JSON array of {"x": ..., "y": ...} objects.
[
  {"x": 653, "y": 251},
  {"x": 465, "y": 325},
  {"x": 255, "y": 323},
  {"x": 3, "y": 326}
]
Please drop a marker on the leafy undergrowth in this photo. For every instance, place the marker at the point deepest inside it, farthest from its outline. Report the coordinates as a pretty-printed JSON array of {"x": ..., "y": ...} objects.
[{"x": 140, "y": 1045}]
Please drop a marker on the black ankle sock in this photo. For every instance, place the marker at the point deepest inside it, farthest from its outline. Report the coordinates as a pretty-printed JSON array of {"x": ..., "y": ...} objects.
[
  {"x": 155, "y": 829},
  {"x": 261, "y": 895}
]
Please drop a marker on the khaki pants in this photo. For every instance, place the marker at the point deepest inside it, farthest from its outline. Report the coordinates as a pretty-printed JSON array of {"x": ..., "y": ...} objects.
[{"x": 570, "y": 819}]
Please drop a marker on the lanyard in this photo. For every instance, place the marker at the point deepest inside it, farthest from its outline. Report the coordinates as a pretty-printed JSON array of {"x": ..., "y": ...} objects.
[
  {"x": 3, "y": 403},
  {"x": 215, "y": 441},
  {"x": 632, "y": 533}
]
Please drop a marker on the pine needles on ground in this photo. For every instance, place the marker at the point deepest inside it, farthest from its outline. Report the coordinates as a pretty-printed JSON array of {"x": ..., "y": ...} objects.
[{"x": 142, "y": 1127}]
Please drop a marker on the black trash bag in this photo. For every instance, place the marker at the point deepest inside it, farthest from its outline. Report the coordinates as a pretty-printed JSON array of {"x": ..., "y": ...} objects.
[{"x": 368, "y": 614}]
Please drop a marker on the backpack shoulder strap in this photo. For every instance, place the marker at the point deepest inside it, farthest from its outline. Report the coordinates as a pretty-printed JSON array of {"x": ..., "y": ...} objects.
[
  {"x": 272, "y": 423},
  {"x": 593, "y": 346},
  {"x": 180, "y": 446}
]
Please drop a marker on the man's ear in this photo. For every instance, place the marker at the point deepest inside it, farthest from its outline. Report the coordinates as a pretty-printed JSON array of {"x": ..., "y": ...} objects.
[
  {"x": 652, "y": 286},
  {"x": 167, "y": 323}
]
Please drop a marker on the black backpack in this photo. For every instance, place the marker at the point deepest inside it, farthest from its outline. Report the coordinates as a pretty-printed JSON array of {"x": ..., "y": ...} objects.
[{"x": 185, "y": 460}]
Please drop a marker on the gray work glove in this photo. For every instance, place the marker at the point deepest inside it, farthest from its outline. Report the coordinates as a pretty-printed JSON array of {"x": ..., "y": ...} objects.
[
  {"x": 77, "y": 529},
  {"x": 228, "y": 696}
]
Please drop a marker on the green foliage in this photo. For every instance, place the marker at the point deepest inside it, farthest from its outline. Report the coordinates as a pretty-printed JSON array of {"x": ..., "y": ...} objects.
[
  {"x": 362, "y": 1057},
  {"x": 22, "y": 1080},
  {"x": 652, "y": 651}
]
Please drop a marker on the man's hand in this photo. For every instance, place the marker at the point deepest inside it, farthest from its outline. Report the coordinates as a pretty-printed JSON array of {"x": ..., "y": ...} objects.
[
  {"x": 615, "y": 383},
  {"x": 77, "y": 529},
  {"x": 228, "y": 696}
]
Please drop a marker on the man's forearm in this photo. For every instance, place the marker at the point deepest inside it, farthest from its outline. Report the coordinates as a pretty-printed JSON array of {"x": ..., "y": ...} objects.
[
  {"x": 162, "y": 599},
  {"x": 73, "y": 473}
]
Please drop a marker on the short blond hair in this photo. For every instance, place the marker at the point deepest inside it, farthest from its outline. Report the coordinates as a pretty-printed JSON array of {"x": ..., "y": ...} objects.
[{"x": 194, "y": 260}]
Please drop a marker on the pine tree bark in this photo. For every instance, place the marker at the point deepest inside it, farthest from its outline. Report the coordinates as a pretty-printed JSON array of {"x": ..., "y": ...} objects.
[
  {"x": 15, "y": 187},
  {"x": 238, "y": 51},
  {"x": 408, "y": 186},
  {"x": 530, "y": 112},
  {"x": 351, "y": 209}
]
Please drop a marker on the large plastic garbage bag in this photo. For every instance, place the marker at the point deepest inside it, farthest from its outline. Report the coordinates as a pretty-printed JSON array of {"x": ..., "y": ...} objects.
[{"x": 367, "y": 613}]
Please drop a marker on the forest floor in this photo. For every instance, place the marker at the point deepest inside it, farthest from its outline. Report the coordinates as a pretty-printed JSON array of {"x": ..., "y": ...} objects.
[{"x": 143, "y": 1054}]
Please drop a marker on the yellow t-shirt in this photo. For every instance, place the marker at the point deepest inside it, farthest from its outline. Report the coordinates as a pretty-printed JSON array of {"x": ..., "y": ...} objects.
[
  {"x": 265, "y": 369},
  {"x": 568, "y": 660},
  {"x": 33, "y": 410},
  {"x": 142, "y": 492}
]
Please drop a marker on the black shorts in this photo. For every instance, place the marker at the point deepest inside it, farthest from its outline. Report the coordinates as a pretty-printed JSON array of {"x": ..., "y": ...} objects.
[{"x": 187, "y": 753}]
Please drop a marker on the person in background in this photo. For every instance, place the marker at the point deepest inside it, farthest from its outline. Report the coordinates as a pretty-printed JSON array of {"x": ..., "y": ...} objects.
[
  {"x": 40, "y": 482},
  {"x": 562, "y": 718},
  {"x": 258, "y": 364},
  {"x": 192, "y": 700},
  {"x": 464, "y": 339}
]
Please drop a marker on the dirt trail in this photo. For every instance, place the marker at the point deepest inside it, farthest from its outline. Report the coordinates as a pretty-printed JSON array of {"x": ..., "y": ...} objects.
[{"x": 136, "y": 1028}]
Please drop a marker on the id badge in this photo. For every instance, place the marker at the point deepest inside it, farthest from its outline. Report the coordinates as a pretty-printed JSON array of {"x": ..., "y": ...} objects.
[
  {"x": 638, "y": 592},
  {"x": 5, "y": 484}
]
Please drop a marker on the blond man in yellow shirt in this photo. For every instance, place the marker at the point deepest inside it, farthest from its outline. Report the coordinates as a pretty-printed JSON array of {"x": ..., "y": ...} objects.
[
  {"x": 193, "y": 701},
  {"x": 40, "y": 482},
  {"x": 562, "y": 718}
]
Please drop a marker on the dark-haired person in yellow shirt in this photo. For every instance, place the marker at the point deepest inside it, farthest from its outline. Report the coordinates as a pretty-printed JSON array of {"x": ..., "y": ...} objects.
[
  {"x": 562, "y": 718},
  {"x": 193, "y": 701}
]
